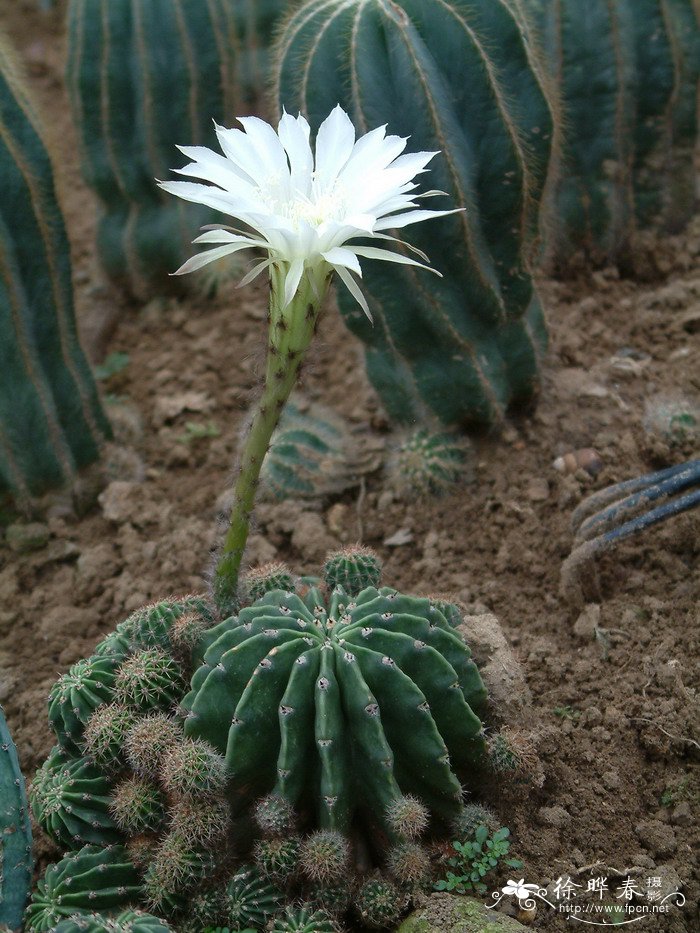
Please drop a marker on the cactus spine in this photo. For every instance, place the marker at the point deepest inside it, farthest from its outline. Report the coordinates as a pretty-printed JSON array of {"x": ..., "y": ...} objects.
[
  {"x": 144, "y": 77},
  {"x": 16, "y": 861},
  {"x": 457, "y": 76},
  {"x": 51, "y": 422}
]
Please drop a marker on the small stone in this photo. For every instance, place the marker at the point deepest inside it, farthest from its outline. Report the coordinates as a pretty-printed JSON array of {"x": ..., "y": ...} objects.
[
  {"x": 399, "y": 538},
  {"x": 587, "y": 623},
  {"x": 444, "y": 913},
  {"x": 537, "y": 490},
  {"x": 168, "y": 407},
  {"x": 554, "y": 816},
  {"x": 658, "y": 838},
  {"x": 682, "y": 814},
  {"x": 611, "y": 779},
  {"x": 337, "y": 518},
  {"x": 30, "y": 537}
]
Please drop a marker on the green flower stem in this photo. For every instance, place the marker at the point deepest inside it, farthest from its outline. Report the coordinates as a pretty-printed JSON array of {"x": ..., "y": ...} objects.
[{"x": 291, "y": 331}]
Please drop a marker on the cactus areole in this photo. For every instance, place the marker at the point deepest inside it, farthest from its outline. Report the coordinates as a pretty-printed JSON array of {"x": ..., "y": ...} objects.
[{"x": 306, "y": 210}]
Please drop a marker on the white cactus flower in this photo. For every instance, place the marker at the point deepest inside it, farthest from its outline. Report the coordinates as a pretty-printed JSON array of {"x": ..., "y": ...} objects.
[{"x": 306, "y": 211}]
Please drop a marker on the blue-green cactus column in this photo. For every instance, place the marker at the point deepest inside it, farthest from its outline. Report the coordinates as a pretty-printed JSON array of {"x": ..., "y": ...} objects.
[
  {"x": 16, "y": 861},
  {"x": 461, "y": 77},
  {"x": 51, "y": 421}
]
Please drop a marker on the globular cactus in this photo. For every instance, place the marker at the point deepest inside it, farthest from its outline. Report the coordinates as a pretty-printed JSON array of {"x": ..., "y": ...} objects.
[
  {"x": 375, "y": 696},
  {"x": 325, "y": 856},
  {"x": 105, "y": 735},
  {"x": 261, "y": 580},
  {"x": 428, "y": 464},
  {"x": 154, "y": 626},
  {"x": 353, "y": 569},
  {"x": 310, "y": 455},
  {"x": 408, "y": 818},
  {"x": 278, "y": 859},
  {"x": 380, "y": 903},
  {"x": 137, "y": 806},
  {"x": 16, "y": 861},
  {"x": 193, "y": 769},
  {"x": 147, "y": 742},
  {"x": 95, "y": 878},
  {"x": 129, "y": 921},
  {"x": 627, "y": 72},
  {"x": 461, "y": 77},
  {"x": 70, "y": 800},
  {"x": 409, "y": 865},
  {"x": 76, "y": 695},
  {"x": 470, "y": 818},
  {"x": 144, "y": 78},
  {"x": 51, "y": 421},
  {"x": 149, "y": 681},
  {"x": 246, "y": 900},
  {"x": 303, "y": 920},
  {"x": 333, "y": 897}
]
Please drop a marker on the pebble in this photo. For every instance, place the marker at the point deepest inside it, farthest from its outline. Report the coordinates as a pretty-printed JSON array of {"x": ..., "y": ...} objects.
[
  {"x": 588, "y": 621},
  {"x": 30, "y": 537},
  {"x": 537, "y": 490},
  {"x": 554, "y": 816},
  {"x": 399, "y": 538},
  {"x": 658, "y": 838}
]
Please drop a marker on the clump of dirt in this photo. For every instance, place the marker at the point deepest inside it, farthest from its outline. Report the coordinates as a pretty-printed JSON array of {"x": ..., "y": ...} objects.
[{"x": 614, "y": 687}]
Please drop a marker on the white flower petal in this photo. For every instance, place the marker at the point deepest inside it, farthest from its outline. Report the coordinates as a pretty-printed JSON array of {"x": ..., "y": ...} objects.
[
  {"x": 294, "y": 135},
  {"x": 412, "y": 217},
  {"x": 343, "y": 257},
  {"x": 266, "y": 145},
  {"x": 354, "y": 289},
  {"x": 254, "y": 272},
  {"x": 292, "y": 280},
  {"x": 334, "y": 145},
  {"x": 373, "y": 252},
  {"x": 224, "y": 236},
  {"x": 214, "y": 167},
  {"x": 210, "y": 255},
  {"x": 236, "y": 147}
]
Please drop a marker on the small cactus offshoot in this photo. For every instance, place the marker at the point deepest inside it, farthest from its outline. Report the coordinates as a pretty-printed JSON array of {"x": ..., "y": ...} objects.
[
  {"x": 137, "y": 806},
  {"x": 380, "y": 903},
  {"x": 470, "y": 818},
  {"x": 193, "y": 769},
  {"x": 277, "y": 859},
  {"x": 303, "y": 920},
  {"x": 148, "y": 740},
  {"x": 408, "y": 817},
  {"x": 274, "y": 815},
  {"x": 426, "y": 464},
  {"x": 129, "y": 921},
  {"x": 77, "y": 694},
  {"x": 262, "y": 580},
  {"x": 325, "y": 855},
  {"x": 409, "y": 865},
  {"x": 352, "y": 568},
  {"x": 149, "y": 680},
  {"x": 105, "y": 733}
]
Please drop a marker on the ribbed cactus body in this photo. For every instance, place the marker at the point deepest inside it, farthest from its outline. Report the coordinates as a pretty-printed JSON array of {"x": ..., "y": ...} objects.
[
  {"x": 70, "y": 800},
  {"x": 51, "y": 422},
  {"x": 76, "y": 695},
  {"x": 303, "y": 920},
  {"x": 91, "y": 879},
  {"x": 16, "y": 861},
  {"x": 458, "y": 76},
  {"x": 129, "y": 921},
  {"x": 347, "y": 705},
  {"x": 627, "y": 72},
  {"x": 145, "y": 77}
]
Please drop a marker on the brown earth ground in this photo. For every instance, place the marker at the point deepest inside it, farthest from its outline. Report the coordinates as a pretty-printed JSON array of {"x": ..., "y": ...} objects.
[{"x": 615, "y": 689}]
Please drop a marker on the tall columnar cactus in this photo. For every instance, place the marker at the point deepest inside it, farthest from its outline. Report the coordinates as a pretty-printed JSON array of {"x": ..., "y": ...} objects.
[
  {"x": 627, "y": 72},
  {"x": 350, "y": 704},
  {"x": 459, "y": 76},
  {"x": 15, "y": 835},
  {"x": 143, "y": 78},
  {"x": 51, "y": 422}
]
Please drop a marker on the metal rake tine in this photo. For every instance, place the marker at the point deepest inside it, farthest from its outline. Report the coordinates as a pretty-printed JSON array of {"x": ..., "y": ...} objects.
[
  {"x": 678, "y": 480},
  {"x": 598, "y": 500}
]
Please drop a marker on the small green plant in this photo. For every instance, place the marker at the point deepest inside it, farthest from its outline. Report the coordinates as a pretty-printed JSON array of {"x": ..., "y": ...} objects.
[
  {"x": 566, "y": 712},
  {"x": 195, "y": 431},
  {"x": 112, "y": 364},
  {"x": 477, "y": 859}
]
